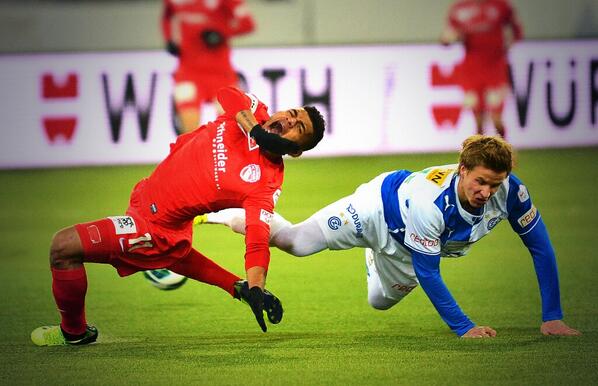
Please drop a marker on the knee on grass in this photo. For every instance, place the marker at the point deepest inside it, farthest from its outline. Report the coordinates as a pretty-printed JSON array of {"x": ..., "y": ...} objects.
[{"x": 380, "y": 302}]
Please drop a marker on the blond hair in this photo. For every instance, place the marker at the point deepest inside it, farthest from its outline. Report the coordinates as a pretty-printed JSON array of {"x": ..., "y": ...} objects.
[{"x": 491, "y": 152}]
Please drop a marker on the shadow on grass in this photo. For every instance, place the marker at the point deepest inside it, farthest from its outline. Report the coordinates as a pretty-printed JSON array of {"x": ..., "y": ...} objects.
[{"x": 236, "y": 349}]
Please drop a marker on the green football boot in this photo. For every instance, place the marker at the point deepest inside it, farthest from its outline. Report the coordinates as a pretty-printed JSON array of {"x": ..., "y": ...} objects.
[{"x": 55, "y": 336}]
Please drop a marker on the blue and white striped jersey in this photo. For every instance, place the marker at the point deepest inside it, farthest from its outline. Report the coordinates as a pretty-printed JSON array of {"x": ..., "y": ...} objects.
[{"x": 423, "y": 214}]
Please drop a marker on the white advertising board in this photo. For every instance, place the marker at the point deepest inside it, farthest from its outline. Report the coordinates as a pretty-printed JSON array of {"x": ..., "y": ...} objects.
[{"x": 115, "y": 108}]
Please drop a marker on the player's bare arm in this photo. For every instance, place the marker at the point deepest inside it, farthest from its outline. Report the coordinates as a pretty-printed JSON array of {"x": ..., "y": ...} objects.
[
  {"x": 256, "y": 277},
  {"x": 246, "y": 119}
]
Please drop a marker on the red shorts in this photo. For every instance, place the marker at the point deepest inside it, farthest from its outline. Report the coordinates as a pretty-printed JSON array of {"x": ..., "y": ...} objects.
[
  {"x": 480, "y": 77},
  {"x": 131, "y": 243},
  {"x": 193, "y": 89}
]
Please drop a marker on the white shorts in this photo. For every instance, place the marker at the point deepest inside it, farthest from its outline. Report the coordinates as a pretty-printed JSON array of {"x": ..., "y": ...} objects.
[
  {"x": 358, "y": 221},
  {"x": 390, "y": 278}
]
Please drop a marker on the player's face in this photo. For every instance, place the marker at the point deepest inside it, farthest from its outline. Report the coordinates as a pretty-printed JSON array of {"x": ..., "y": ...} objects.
[
  {"x": 476, "y": 186},
  {"x": 293, "y": 124}
]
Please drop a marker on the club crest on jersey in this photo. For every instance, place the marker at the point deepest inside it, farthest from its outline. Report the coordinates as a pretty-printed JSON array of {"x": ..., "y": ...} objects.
[
  {"x": 334, "y": 223},
  {"x": 251, "y": 173},
  {"x": 522, "y": 193},
  {"x": 492, "y": 223},
  {"x": 124, "y": 225}
]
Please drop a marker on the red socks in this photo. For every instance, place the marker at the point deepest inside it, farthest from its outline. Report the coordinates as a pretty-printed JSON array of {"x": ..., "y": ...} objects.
[
  {"x": 197, "y": 266},
  {"x": 69, "y": 288}
]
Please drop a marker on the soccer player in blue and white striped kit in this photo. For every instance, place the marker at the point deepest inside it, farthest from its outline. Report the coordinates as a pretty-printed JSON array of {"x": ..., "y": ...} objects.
[{"x": 408, "y": 220}]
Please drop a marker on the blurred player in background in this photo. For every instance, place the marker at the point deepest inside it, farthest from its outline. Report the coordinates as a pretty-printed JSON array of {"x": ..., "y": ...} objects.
[
  {"x": 231, "y": 162},
  {"x": 198, "y": 32},
  {"x": 407, "y": 221},
  {"x": 487, "y": 29}
]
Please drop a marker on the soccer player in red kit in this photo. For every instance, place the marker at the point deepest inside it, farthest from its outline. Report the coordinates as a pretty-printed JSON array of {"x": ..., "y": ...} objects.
[
  {"x": 198, "y": 33},
  {"x": 487, "y": 29},
  {"x": 221, "y": 164}
]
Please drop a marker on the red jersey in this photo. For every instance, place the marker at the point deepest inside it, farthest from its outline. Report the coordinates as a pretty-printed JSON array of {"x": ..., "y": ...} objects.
[
  {"x": 214, "y": 167},
  {"x": 183, "y": 21},
  {"x": 480, "y": 24}
]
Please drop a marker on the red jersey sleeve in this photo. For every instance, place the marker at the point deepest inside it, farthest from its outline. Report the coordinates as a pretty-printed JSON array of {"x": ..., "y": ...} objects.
[
  {"x": 513, "y": 21},
  {"x": 234, "y": 100},
  {"x": 258, "y": 215},
  {"x": 452, "y": 18},
  {"x": 242, "y": 22}
]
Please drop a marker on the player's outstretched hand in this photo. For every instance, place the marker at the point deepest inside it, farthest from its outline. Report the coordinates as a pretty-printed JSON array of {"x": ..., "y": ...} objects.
[
  {"x": 256, "y": 302},
  {"x": 558, "y": 327},
  {"x": 480, "y": 332}
]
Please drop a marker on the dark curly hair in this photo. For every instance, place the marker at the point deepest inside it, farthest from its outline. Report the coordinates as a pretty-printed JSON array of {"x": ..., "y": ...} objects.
[{"x": 319, "y": 125}]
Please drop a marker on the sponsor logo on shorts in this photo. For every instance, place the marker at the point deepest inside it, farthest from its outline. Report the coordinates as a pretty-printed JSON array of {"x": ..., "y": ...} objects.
[
  {"x": 94, "y": 234},
  {"x": 124, "y": 225},
  {"x": 251, "y": 173},
  {"x": 425, "y": 242},
  {"x": 527, "y": 217},
  {"x": 334, "y": 223},
  {"x": 403, "y": 288},
  {"x": 492, "y": 223},
  {"x": 522, "y": 193},
  {"x": 265, "y": 216},
  {"x": 356, "y": 221}
]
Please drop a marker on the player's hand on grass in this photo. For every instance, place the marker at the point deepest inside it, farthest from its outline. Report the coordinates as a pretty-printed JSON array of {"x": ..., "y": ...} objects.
[
  {"x": 480, "y": 332},
  {"x": 256, "y": 279},
  {"x": 558, "y": 327},
  {"x": 256, "y": 302}
]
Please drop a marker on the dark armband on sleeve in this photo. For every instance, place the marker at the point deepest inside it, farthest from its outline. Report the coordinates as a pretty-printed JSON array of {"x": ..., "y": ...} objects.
[{"x": 272, "y": 142}]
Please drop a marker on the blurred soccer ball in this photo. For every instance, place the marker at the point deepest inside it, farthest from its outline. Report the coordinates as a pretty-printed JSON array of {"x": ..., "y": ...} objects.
[{"x": 164, "y": 279}]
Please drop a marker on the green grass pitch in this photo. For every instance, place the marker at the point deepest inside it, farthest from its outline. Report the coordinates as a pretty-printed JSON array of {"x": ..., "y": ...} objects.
[{"x": 329, "y": 335}]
